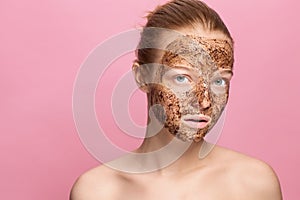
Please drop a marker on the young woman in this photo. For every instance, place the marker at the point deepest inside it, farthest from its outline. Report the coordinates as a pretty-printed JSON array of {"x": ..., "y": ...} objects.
[{"x": 184, "y": 64}]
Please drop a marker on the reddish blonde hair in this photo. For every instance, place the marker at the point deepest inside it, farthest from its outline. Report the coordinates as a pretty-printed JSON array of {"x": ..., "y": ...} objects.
[{"x": 177, "y": 14}]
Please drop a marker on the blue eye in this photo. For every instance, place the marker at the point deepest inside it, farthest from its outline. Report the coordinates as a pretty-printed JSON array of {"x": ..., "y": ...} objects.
[
  {"x": 182, "y": 79},
  {"x": 220, "y": 82}
]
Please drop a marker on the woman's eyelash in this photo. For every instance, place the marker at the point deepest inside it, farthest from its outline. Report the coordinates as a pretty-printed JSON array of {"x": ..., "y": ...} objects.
[
  {"x": 220, "y": 82},
  {"x": 182, "y": 78}
]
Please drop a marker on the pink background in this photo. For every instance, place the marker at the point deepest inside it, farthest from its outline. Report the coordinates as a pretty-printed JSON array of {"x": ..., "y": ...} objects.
[{"x": 43, "y": 44}]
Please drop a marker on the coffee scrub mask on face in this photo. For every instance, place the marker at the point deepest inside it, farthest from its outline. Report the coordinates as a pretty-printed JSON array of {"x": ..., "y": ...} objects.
[{"x": 193, "y": 86}]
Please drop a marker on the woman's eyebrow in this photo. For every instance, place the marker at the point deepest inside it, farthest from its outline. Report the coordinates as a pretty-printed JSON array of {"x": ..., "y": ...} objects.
[
  {"x": 226, "y": 71},
  {"x": 192, "y": 69},
  {"x": 184, "y": 67}
]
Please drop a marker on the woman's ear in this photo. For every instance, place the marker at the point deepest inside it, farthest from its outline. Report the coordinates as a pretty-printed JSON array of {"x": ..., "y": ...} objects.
[{"x": 140, "y": 79}]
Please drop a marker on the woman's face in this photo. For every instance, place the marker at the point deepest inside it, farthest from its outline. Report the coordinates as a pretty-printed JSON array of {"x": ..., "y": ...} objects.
[{"x": 194, "y": 85}]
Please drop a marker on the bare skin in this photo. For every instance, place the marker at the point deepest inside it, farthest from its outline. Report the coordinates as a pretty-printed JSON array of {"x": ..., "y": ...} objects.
[{"x": 222, "y": 174}]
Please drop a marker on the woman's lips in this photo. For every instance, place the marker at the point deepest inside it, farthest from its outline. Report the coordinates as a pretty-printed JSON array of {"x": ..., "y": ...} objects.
[{"x": 196, "y": 121}]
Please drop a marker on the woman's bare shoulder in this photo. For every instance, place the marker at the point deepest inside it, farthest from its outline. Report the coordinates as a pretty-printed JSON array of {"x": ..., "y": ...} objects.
[
  {"x": 250, "y": 177},
  {"x": 99, "y": 182},
  {"x": 237, "y": 160}
]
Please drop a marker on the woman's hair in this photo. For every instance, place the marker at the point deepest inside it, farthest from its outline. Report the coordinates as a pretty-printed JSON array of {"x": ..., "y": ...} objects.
[{"x": 175, "y": 15}]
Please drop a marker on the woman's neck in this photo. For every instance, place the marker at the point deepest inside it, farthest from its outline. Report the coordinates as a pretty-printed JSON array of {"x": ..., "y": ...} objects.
[{"x": 182, "y": 156}]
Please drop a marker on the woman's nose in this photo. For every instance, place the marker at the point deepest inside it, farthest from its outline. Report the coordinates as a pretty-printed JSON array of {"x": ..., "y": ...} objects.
[
  {"x": 204, "y": 102},
  {"x": 203, "y": 99}
]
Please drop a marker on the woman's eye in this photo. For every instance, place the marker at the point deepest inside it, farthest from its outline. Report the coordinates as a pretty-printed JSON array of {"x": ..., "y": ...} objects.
[
  {"x": 181, "y": 79},
  {"x": 220, "y": 82}
]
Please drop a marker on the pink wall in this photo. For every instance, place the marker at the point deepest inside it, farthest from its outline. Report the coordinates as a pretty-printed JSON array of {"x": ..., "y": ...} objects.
[{"x": 43, "y": 44}]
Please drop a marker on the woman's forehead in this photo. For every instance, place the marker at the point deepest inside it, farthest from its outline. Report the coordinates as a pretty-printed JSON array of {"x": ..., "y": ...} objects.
[{"x": 197, "y": 51}]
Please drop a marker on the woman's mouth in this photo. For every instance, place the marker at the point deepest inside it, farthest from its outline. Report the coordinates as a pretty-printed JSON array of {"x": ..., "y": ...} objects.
[{"x": 196, "y": 121}]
